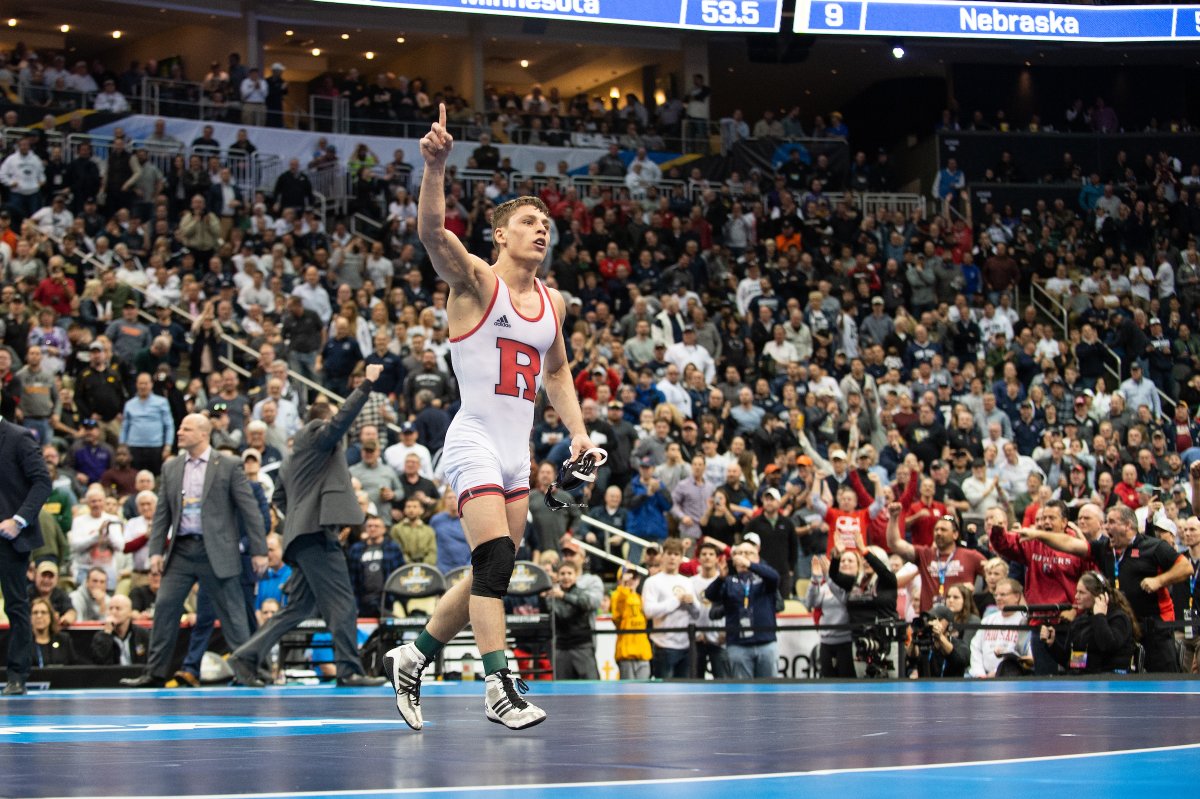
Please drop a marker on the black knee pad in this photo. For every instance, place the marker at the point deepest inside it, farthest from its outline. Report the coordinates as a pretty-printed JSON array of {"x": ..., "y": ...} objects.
[{"x": 492, "y": 565}]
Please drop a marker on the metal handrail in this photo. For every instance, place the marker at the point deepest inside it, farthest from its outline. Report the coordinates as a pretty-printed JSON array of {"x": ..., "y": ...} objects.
[
  {"x": 1050, "y": 305},
  {"x": 611, "y": 558}
]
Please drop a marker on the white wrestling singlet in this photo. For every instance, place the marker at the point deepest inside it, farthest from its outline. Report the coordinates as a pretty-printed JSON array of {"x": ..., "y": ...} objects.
[{"x": 498, "y": 365}]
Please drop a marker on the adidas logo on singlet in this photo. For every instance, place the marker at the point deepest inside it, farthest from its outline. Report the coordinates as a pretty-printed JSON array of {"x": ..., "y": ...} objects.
[{"x": 502, "y": 321}]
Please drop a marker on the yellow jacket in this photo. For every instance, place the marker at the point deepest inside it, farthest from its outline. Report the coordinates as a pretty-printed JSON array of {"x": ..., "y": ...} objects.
[{"x": 627, "y": 615}]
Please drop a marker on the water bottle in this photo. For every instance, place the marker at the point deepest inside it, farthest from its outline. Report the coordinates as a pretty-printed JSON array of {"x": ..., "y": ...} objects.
[{"x": 468, "y": 666}]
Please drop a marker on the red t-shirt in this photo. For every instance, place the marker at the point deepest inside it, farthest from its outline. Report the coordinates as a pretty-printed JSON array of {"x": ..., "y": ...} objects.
[
  {"x": 921, "y": 531},
  {"x": 1050, "y": 575},
  {"x": 842, "y": 528},
  {"x": 938, "y": 573}
]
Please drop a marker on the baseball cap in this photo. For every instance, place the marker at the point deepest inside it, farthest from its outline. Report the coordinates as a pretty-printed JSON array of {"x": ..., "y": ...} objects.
[
  {"x": 772, "y": 468},
  {"x": 938, "y": 464},
  {"x": 646, "y": 462},
  {"x": 877, "y": 300},
  {"x": 752, "y": 538},
  {"x": 1079, "y": 467},
  {"x": 978, "y": 463},
  {"x": 599, "y": 370},
  {"x": 1081, "y": 400},
  {"x": 131, "y": 303},
  {"x": 616, "y": 405},
  {"x": 251, "y": 452},
  {"x": 864, "y": 452},
  {"x": 804, "y": 460},
  {"x": 772, "y": 492},
  {"x": 658, "y": 344},
  {"x": 570, "y": 544},
  {"x": 692, "y": 329},
  {"x": 96, "y": 346},
  {"x": 837, "y": 455},
  {"x": 47, "y": 567},
  {"x": 408, "y": 427},
  {"x": 370, "y": 446},
  {"x": 1154, "y": 320},
  {"x": 90, "y": 423},
  {"x": 941, "y": 612}
]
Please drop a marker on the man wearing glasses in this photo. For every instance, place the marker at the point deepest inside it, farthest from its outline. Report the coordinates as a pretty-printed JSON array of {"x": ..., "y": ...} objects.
[{"x": 1003, "y": 652}]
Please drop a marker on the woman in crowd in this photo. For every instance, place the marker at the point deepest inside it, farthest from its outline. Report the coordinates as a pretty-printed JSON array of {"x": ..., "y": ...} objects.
[
  {"x": 829, "y": 598},
  {"x": 632, "y": 650},
  {"x": 50, "y": 646},
  {"x": 1101, "y": 637}
]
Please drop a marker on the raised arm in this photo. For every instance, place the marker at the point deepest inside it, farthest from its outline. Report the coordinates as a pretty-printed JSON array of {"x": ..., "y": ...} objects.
[
  {"x": 462, "y": 271},
  {"x": 1060, "y": 541},
  {"x": 896, "y": 542}
]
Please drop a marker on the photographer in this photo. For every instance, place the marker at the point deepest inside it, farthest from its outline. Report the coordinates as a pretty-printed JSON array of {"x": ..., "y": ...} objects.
[
  {"x": 1101, "y": 637},
  {"x": 870, "y": 599},
  {"x": 938, "y": 648}
]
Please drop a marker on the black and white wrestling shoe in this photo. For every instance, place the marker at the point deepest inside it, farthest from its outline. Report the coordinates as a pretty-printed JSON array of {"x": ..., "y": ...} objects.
[
  {"x": 403, "y": 666},
  {"x": 503, "y": 703}
]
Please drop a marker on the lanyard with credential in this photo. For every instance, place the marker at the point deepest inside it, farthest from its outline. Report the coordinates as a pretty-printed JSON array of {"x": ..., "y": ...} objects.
[
  {"x": 1117, "y": 558},
  {"x": 746, "y": 595},
  {"x": 941, "y": 570}
]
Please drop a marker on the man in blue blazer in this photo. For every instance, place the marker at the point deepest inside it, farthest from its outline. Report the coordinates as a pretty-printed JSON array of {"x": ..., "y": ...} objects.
[{"x": 23, "y": 490}]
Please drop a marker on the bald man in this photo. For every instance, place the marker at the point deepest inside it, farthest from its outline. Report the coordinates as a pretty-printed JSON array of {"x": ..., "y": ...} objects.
[
  {"x": 194, "y": 538},
  {"x": 121, "y": 642}
]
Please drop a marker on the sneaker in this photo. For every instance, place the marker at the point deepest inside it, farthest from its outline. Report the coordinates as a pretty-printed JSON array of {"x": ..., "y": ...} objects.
[
  {"x": 403, "y": 666},
  {"x": 503, "y": 703}
]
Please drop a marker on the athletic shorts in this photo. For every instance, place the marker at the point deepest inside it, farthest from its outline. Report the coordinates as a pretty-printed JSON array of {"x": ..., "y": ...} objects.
[{"x": 476, "y": 465}]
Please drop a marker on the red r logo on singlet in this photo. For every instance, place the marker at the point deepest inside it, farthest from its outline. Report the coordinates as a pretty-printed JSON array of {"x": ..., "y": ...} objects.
[{"x": 518, "y": 358}]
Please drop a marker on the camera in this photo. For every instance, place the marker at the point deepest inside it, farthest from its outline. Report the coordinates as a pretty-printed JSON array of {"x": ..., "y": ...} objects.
[{"x": 873, "y": 646}]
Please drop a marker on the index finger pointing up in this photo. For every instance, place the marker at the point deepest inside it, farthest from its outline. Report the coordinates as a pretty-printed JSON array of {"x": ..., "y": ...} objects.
[{"x": 442, "y": 115}]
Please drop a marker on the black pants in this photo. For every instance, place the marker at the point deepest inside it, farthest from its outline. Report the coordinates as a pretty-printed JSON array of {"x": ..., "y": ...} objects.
[
  {"x": 188, "y": 565},
  {"x": 13, "y": 582},
  {"x": 837, "y": 660},
  {"x": 320, "y": 582},
  {"x": 712, "y": 656},
  {"x": 148, "y": 458},
  {"x": 1159, "y": 642}
]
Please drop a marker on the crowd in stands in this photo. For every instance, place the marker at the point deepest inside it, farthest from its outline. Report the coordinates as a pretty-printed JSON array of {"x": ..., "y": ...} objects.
[{"x": 774, "y": 373}]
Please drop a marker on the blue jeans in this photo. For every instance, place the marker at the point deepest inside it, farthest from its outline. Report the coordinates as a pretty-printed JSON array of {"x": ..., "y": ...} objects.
[
  {"x": 23, "y": 206},
  {"x": 669, "y": 664},
  {"x": 758, "y": 661},
  {"x": 40, "y": 429}
]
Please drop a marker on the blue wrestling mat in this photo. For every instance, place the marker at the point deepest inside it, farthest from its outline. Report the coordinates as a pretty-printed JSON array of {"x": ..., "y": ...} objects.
[{"x": 926, "y": 740}]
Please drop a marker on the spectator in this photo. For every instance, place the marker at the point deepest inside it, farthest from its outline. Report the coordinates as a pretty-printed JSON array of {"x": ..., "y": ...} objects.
[
  {"x": 1102, "y": 635},
  {"x": 51, "y": 647},
  {"x": 1002, "y": 652},
  {"x": 669, "y": 603},
  {"x": 575, "y": 656},
  {"x": 632, "y": 652},
  {"x": 452, "y": 548},
  {"x": 748, "y": 593},
  {"x": 372, "y": 560},
  {"x": 120, "y": 642},
  {"x": 417, "y": 540}
]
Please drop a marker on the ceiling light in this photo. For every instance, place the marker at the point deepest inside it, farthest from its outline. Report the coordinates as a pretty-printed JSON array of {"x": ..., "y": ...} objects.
[
  {"x": 316, "y": 51},
  {"x": 399, "y": 40},
  {"x": 116, "y": 34},
  {"x": 614, "y": 93},
  {"x": 289, "y": 33},
  {"x": 370, "y": 55},
  {"x": 897, "y": 52},
  {"x": 12, "y": 23},
  {"x": 64, "y": 28},
  {"x": 345, "y": 36},
  {"x": 524, "y": 63}
]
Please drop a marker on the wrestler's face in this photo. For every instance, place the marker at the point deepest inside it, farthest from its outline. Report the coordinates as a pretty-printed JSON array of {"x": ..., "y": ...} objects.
[{"x": 526, "y": 234}]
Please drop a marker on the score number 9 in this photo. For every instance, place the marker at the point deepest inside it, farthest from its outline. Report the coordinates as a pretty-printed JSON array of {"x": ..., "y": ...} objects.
[{"x": 834, "y": 16}]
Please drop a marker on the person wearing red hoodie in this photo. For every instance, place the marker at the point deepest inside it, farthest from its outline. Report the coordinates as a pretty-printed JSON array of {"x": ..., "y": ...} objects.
[{"x": 1050, "y": 575}]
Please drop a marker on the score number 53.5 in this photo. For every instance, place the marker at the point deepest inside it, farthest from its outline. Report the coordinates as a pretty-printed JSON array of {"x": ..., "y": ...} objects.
[{"x": 728, "y": 12}]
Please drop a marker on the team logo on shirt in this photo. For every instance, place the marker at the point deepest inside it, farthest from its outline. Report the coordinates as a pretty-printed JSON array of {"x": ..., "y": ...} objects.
[
  {"x": 518, "y": 359},
  {"x": 502, "y": 321}
]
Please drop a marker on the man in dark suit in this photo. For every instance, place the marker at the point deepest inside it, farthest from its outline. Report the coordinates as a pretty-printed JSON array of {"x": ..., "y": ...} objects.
[
  {"x": 315, "y": 493},
  {"x": 23, "y": 491},
  {"x": 194, "y": 537}
]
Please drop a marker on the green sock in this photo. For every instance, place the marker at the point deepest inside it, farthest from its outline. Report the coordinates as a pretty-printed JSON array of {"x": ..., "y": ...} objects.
[
  {"x": 494, "y": 662},
  {"x": 427, "y": 645}
]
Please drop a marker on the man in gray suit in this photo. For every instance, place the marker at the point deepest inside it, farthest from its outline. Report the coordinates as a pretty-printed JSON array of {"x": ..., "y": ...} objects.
[
  {"x": 315, "y": 493},
  {"x": 194, "y": 537}
]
